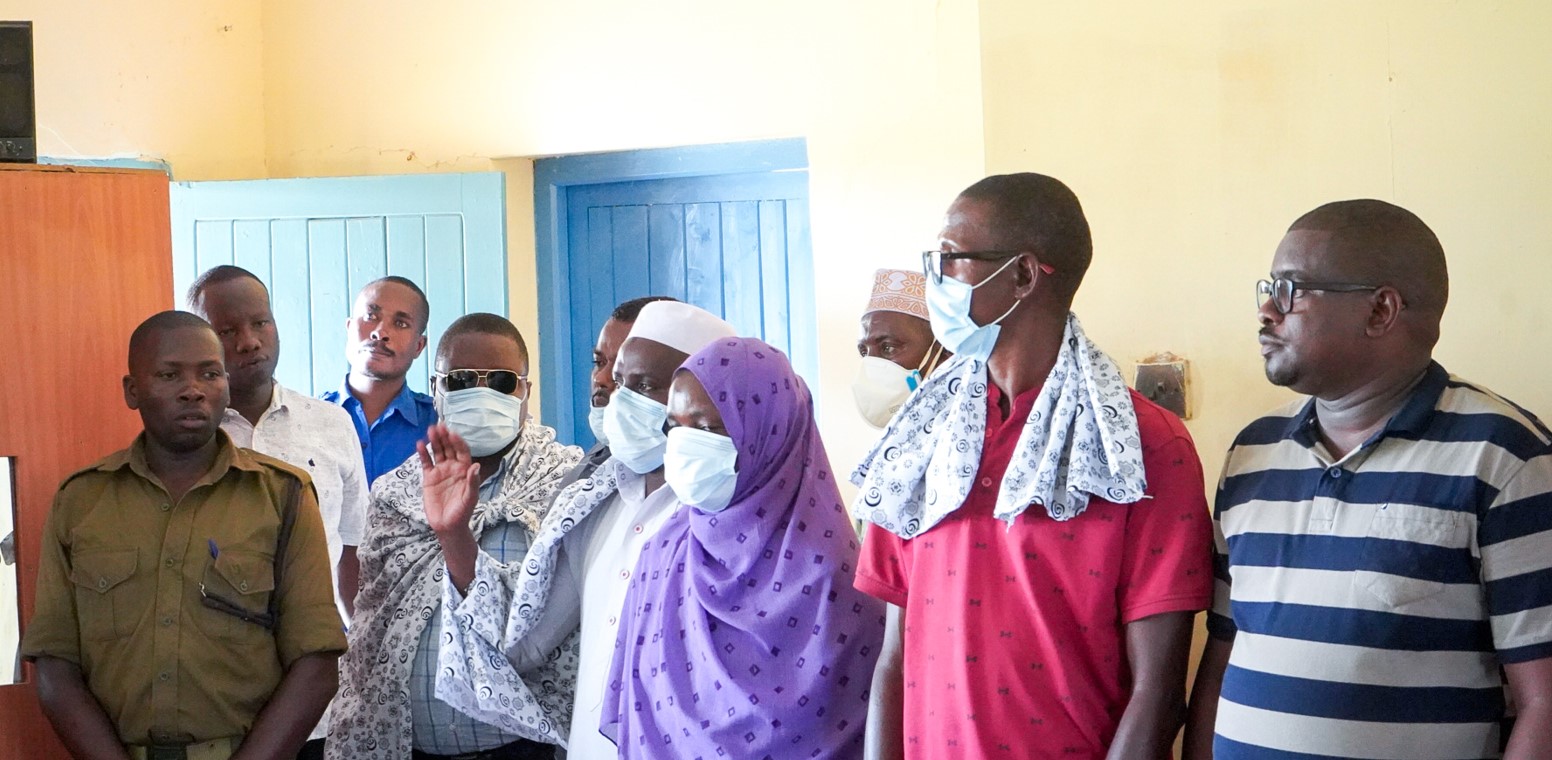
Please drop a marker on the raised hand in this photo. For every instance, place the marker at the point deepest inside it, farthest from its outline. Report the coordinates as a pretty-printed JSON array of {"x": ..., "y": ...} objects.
[{"x": 450, "y": 481}]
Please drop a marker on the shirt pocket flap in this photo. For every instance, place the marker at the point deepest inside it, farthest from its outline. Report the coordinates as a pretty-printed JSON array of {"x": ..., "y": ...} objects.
[
  {"x": 1398, "y": 573},
  {"x": 101, "y": 570},
  {"x": 246, "y": 573}
]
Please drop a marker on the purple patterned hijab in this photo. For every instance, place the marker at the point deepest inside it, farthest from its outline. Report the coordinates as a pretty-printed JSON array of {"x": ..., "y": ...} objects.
[{"x": 743, "y": 636}]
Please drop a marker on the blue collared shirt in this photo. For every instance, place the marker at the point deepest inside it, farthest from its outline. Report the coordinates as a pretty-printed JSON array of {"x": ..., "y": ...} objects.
[{"x": 386, "y": 443}]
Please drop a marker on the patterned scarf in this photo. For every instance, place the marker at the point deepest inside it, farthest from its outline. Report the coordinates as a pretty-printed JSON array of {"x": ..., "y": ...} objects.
[
  {"x": 477, "y": 678},
  {"x": 1080, "y": 439},
  {"x": 402, "y": 572}
]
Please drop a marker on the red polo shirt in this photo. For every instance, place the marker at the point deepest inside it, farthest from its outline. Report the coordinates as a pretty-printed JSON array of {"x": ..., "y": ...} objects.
[{"x": 1014, "y": 643}]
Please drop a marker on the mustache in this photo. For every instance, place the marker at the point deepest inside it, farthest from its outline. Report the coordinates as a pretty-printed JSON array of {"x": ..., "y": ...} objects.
[{"x": 377, "y": 345}]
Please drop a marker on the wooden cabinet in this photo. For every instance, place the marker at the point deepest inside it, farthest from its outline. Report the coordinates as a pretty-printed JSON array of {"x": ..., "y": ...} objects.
[{"x": 85, "y": 256}]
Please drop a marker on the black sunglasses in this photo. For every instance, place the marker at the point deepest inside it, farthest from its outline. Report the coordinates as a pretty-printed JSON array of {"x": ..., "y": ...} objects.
[{"x": 499, "y": 380}]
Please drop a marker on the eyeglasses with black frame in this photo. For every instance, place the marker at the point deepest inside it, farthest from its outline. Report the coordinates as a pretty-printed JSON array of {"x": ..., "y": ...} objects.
[
  {"x": 499, "y": 380},
  {"x": 932, "y": 261},
  {"x": 1280, "y": 291}
]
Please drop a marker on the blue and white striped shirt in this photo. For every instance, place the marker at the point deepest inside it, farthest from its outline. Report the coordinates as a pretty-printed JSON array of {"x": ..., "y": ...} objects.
[{"x": 1371, "y": 600}]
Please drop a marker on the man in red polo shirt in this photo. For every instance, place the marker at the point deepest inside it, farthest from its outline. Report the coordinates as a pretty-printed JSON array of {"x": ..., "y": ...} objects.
[{"x": 1039, "y": 530}]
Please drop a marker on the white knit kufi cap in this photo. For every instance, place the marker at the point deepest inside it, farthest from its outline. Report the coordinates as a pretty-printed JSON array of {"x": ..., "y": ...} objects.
[{"x": 679, "y": 326}]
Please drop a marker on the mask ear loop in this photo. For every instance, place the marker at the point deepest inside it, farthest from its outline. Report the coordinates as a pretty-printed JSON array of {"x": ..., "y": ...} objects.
[
  {"x": 1039, "y": 269},
  {"x": 929, "y": 362}
]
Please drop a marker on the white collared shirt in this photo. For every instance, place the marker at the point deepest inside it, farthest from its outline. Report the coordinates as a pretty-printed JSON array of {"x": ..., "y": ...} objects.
[
  {"x": 318, "y": 437},
  {"x": 608, "y": 549}
]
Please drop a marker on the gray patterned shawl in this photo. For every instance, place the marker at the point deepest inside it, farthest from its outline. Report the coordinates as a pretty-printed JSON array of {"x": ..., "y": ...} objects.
[
  {"x": 401, "y": 588},
  {"x": 476, "y": 675},
  {"x": 1080, "y": 439}
]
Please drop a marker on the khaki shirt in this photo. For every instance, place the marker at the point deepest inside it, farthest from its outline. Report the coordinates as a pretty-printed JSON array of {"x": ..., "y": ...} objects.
[{"x": 120, "y": 584}]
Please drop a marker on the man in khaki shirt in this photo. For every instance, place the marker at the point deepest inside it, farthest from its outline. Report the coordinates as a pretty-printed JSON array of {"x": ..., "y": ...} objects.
[{"x": 164, "y": 626}]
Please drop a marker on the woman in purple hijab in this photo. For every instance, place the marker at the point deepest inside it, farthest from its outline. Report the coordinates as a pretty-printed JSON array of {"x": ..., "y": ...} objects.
[{"x": 742, "y": 634}]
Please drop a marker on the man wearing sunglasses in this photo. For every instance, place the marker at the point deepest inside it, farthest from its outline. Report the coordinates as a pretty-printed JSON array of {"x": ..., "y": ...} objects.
[
  {"x": 1039, "y": 530},
  {"x": 1384, "y": 546},
  {"x": 581, "y": 562},
  {"x": 269, "y": 418},
  {"x": 472, "y": 498}
]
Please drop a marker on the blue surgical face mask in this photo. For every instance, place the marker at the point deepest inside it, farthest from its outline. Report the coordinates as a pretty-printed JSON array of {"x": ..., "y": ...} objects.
[
  {"x": 485, "y": 419},
  {"x": 595, "y": 421},
  {"x": 701, "y": 467},
  {"x": 948, "y": 310},
  {"x": 634, "y": 426}
]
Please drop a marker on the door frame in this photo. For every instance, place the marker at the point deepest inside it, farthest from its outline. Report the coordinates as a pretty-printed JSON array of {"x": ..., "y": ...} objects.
[{"x": 554, "y": 176}]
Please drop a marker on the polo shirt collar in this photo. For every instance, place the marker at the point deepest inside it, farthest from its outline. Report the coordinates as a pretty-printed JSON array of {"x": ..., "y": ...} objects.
[{"x": 1411, "y": 421}]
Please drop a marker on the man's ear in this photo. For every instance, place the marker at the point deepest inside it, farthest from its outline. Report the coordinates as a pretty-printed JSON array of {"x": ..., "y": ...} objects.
[
  {"x": 1026, "y": 276},
  {"x": 131, "y": 396},
  {"x": 420, "y": 345},
  {"x": 1385, "y": 307}
]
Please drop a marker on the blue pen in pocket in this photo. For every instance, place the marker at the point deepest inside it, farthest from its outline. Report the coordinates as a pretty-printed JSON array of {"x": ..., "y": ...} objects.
[{"x": 214, "y": 552}]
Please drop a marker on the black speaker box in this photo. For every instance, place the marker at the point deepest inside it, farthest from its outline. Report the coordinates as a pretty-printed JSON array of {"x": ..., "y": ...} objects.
[{"x": 18, "y": 116}]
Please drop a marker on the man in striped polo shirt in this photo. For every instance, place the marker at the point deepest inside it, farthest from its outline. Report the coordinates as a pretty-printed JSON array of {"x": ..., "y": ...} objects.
[{"x": 1384, "y": 549}]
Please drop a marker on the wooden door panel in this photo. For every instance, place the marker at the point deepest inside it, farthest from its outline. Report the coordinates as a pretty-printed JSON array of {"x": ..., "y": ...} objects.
[
  {"x": 85, "y": 256},
  {"x": 316, "y": 242},
  {"x": 731, "y": 244}
]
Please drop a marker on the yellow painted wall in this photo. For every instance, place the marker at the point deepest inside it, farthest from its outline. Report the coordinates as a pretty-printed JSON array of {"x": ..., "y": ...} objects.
[
  {"x": 1195, "y": 133},
  {"x": 176, "y": 80},
  {"x": 887, "y": 93}
]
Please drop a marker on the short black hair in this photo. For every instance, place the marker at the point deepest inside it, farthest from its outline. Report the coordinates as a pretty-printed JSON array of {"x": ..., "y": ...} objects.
[
  {"x": 425, "y": 304},
  {"x": 1033, "y": 212},
  {"x": 481, "y": 323},
  {"x": 629, "y": 310},
  {"x": 157, "y": 324},
  {"x": 1380, "y": 243},
  {"x": 215, "y": 276}
]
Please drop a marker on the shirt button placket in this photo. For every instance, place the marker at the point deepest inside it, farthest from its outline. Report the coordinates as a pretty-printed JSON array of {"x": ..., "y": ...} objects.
[{"x": 170, "y": 586}]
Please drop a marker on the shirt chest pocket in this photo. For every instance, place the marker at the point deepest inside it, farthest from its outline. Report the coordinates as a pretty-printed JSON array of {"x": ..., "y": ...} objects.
[
  {"x": 1407, "y": 555},
  {"x": 235, "y": 595},
  {"x": 107, "y": 603}
]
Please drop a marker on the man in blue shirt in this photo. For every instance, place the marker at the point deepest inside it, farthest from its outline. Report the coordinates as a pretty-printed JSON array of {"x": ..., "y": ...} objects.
[{"x": 386, "y": 333}]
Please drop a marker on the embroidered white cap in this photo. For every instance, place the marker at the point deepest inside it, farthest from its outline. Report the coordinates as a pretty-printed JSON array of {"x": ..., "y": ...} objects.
[{"x": 679, "y": 326}]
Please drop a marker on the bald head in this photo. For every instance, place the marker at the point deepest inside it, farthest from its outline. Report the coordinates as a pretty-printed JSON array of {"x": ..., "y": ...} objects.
[
  {"x": 1378, "y": 243},
  {"x": 1033, "y": 212}
]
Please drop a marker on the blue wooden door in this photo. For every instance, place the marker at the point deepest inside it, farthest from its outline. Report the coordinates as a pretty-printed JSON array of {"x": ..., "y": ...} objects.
[
  {"x": 736, "y": 245},
  {"x": 316, "y": 242}
]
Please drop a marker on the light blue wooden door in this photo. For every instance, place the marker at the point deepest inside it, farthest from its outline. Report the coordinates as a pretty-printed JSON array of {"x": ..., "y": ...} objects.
[
  {"x": 316, "y": 242},
  {"x": 736, "y": 245}
]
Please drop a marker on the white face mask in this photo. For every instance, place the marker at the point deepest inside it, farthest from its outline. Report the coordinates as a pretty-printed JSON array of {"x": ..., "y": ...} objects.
[
  {"x": 485, "y": 419},
  {"x": 701, "y": 467},
  {"x": 633, "y": 424},
  {"x": 948, "y": 310},
  {"x": 881, "y": 388},
  {"x": 595, "y": 421}
]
